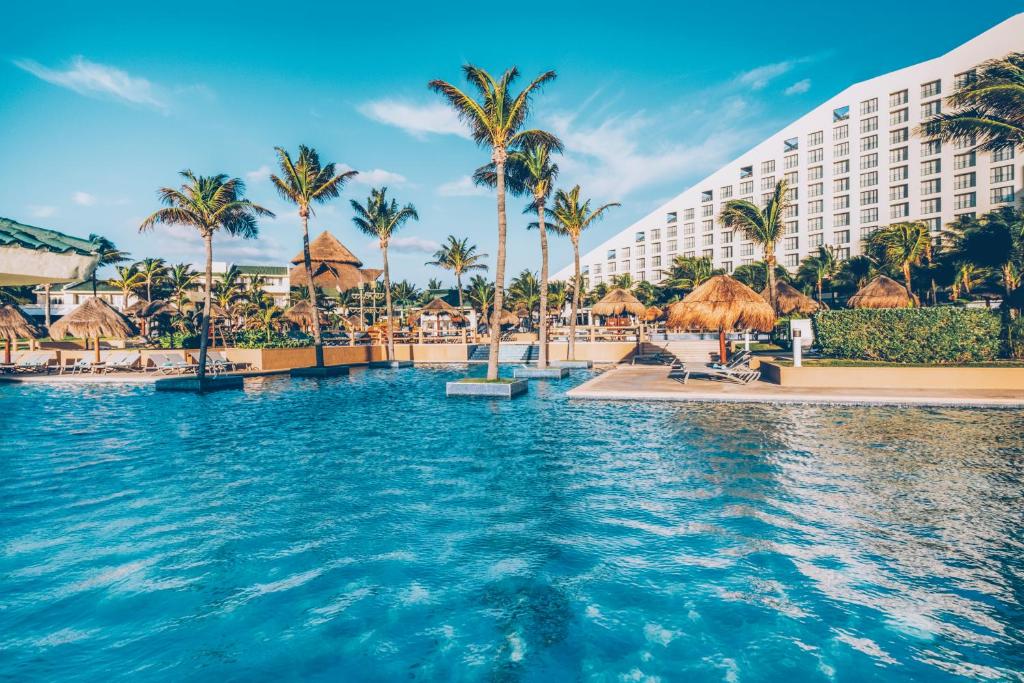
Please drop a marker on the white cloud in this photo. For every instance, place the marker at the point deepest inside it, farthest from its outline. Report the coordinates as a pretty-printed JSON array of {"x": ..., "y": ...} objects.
[
  {"x": 759, "y": 77},
  {"x": 93, "y": 79},
  {"x": 461, "y": 187},
  {"x": 41, "y": 211},
  {"x": 375, "y": 176},
  {"x": 261, "y": 173},
  {"x": 799, "y": 87},
  {"x": 83, "y": 198},
  {"x": 179, "y": 242},
  {"x": 417, "y": 120},
  {"x": 409, "y": 245}
]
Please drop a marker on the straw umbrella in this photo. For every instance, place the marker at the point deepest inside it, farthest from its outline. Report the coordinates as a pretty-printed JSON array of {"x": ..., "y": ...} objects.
[
  {"x": 617, "y": 302},
  {"x": 302, "y": 315},
  {"x": 14, "y": 326},
  {"x": 92, "y": 320},
  {"x": 722, "y": 304},
  {"x": 508, "y": 318},
  {"x": 652, "y": 314},
  {"x": 788, "y": 300},
  {"x": 882, "y": 292}
]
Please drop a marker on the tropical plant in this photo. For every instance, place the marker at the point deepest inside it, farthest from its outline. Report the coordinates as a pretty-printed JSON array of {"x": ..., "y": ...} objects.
[
  {"x": 902, "y": 246},
  {"x": 153, "y": 271},
  {"x": 405, "y": 293},
  {"x": 382, "y": 218},
  {"x": 496, "y": 121},
  {"x": 181, "y": 279},
  {"x": 458, "y": 256},
  {"x": 208, "y": 204},
  {"x": 558, "y": 295},
  {"x": 570, "y": 217},
  {"x": 855, "y": 272},
  {"x": 267, "y": 319},
  {"x": 305, "y": 182},
  {"x": 819, "y": 267},
  {"x": 481, "y": 294},
  {"x": 646, "y": 292},
  {"x": 762, "y": 225},
  {"x": 967, "y": 278},
  {"x": 687, "y": 273},
  {"x": 524, "y": 293},
  {"x": 108, "y": 253},
  {"x": 994, "y": 240},
  {"x": 129, "y": 280}
]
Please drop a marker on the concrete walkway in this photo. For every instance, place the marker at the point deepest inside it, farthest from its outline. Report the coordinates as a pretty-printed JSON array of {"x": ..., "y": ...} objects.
[{"x": 651, "y": 383}]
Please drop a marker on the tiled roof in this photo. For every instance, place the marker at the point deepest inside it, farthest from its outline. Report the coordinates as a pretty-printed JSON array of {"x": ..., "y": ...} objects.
[
  {"x": 262, "y": 270},
  {"x": 17, "y": 234}
]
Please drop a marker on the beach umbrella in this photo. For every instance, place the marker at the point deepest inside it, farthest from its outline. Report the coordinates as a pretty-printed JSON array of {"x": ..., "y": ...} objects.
[
  {"x": 789, "y": 300},
  {"x": 31, "y": 255},
  {"x": 882, "y": 292},
  {"x": 14, "y": 326},
  {"x": 302, "y": 315},
  {"x": 508, "y": 318},
  {"x": 652, "y": 314},
  {"x": 135, "y": 310},
  {"x": 617, "y": 302},
  {"x": 93, "y": 319},
  {"x": 722, "y": 304},
  {"x": 436, "y": 307},
  {"x": 158, "y": 307}
]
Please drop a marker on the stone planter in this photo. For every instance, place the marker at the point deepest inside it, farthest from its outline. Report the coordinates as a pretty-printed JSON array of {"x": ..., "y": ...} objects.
[
  {"x": 325, "y": 371},
  {"x": 574, "y": 364},
  {"x": 195, "y": 385},
  {"x": 392, "y": 364},
  {"x": 487, "y": 389},
  {"x": 541, "y": 373}
]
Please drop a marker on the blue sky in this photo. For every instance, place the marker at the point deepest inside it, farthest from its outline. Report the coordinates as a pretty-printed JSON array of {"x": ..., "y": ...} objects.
[{"x": 104, "y": 103}]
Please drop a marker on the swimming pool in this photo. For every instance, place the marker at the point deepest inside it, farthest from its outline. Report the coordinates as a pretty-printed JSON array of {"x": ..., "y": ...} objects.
[{"x": 365, "y": 528}]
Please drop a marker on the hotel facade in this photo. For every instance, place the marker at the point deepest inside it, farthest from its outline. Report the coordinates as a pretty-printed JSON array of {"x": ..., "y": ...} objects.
[{"x": 852, "y": 165}]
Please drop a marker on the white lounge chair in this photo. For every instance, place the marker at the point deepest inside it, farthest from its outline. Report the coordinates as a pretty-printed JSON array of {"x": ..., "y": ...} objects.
[
  {"x": 169, "y": 363},
  {"x": 125, "y": 360},
  {"x": 31, "y": 361},
  {"x": 218, "y": 362},
  {"x": 739, "y": 375},
  {"x": 81, "y": 365}
]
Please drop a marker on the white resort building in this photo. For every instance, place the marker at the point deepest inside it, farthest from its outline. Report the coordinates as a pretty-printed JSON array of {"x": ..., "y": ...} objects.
[{"x": 853, "y": 164}]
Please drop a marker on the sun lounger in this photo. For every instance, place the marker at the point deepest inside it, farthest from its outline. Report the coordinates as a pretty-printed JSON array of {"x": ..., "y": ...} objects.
[
  {"x": 738, "y": 359},
  {"x": 31, "y": 361},
  {"x": 738, "y": 375},
  {"x": 218, "y": 361},
  {"x": 169, "y": 364},
  {"x": 81, "y": 365},
  {"x": 122, "y": 361}
]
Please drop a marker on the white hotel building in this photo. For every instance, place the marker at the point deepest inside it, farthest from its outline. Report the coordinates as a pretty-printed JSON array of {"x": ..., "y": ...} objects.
[{"x": 853, "y": 164}]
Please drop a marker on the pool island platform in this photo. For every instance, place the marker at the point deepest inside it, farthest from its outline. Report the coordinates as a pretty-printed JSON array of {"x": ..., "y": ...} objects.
[{"x": 652, "y": 383}]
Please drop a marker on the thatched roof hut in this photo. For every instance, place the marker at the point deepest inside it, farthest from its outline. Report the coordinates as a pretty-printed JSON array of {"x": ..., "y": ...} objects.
[
  {"x": 789, "y": 300},
  {"x": 722, "y": 304},
  {"x": 158, "y": 307},
  {"x": 14, "y": 326},
  {"x": 333, "y": 266},
  {"x": 438, "y": 307},
  {"x": 882, "y": 292},
  {"x": 617, "y": 302},
  {"x": 302, "y": 315},
  {"x": 652, "y": 314},
  {"x": 508, "y": 318},
  {"x": 135, "y": 310},
  {"x": 93, "y": 319}
]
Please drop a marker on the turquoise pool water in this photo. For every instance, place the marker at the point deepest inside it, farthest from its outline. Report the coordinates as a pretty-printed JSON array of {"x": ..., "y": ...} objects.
[{"x": 365, "y": 528}]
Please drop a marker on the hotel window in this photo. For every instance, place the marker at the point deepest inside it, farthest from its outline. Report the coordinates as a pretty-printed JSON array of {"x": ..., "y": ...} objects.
[
  {"x": 727, "y": 237},
  {"x": 869, "y": 215},
  {"x": 670, "y": 217},
  {"x": 931, "y": 167},
  {"x": 897, "y": 192},
  {"x": 791, "y": 145},
  {"x": 815, "y": 172},
  {"x": 726, "y": 252},
  {"x": 841, "y": 149},
  {"x": 792, "y": 227},
  {"x": 725, "y": 192},
  {"x": 899, "y": 116},
  {"x": 747, "y": 187},
  {"x": 840, "y": 114},
  {"x": 841, "y": 185},
  {"x": 641, "y": 263},
  {"x": 841, "y": 202},
  {"x": 671, "y": 231},
  {"x": 767, "y": 167},
  {"x": 815, "y": 155},
  {"x": 791, "y": 211},
  {"x": 929, "y": 109},
  {"x": 869, "y": 106},
  {"x": 611, "y": 254},
  {"x": 656, "y": 247},
  {"x": 611, "y": 267},
  {"x": 815, "y": 138},
  {"x": 841, "y": 237},
  {"x": 638, "y": 237},
  {"x": 624, "y": 253},
  {"x": 899, "y": 210},
  {"x": 869, "y": 197},
  {"x": 964, "y": 181},
  {"x": 707, "y": 226},
  {"x": 934, "y": 225},
  {"x": 792, "y": 178},
  {"x": 815, "y": 189},
  {"x": 841, "y": 167},
  {"x": 869, "y": 161},
  {"x": 707, "y": 210},
  {"x": 815, "y": 240},
  {"x": 746, "y": 171},
  {"x": 899, "y": 135},
  {"x": 869, "y": 143},
  {"x": 866, "y": 232},
  {"x": 688, "y": 215},
  {"x": 869, "y": 125},
  {"x": 965, "y": 143},
  {"x": 689, "y": 254},
  {"x": 791, "y": 243},
  {"x": 897, "y": 98},
  {"x": 625, "y": 266},
  {"x": 1004, "y": 154},
  {"x": 791, "y": 161},
  {"x": 965, "y": 160},
  {"x": 727, "y": 265},
  {"x": 765, "y": 198},
  {"x": 688, "y": 228},
  {"x": 931, "y": 205},
  {"x": 597, "y": 269},
  {"x": 768, "y": 182},
  {"x": 1001, "y": 195},
  {"x": 898, "y": 155},
  {"x": 964, "y": 79},
  {"x": 655, "y": 234},
  {"x": 931, "y": 147},
  {"x": 707, "y": 253},
  {"x": 792, "y": 194},
  {"x": 841, "y": 132},
  {"x": 640, "y": 250},
  {"x": 673, "y": 246},
  {"x": 930, "y": 128},
  {"x": 931, "y": 89},
  {"x": 816, "y": 206},
  {"x": 656, "y": 261},
  {"x": 707, "y": 196},
  {"x": 967, "y": 200},
  {"x": 815, "y": 224},
  {"x": 869, "y": 179},
  {"x": 746, "y": 249},
  {"x": 707, "y": 240},
  {"x": 933, "y": 186},
  {"x": 1001, "y": 174}
]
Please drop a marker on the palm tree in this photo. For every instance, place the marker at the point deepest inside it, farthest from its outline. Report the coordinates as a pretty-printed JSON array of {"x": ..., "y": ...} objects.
[
  {"x": 755, "y": 275},
  {"x": 819, "y": 267},
  {"x": 181, "y": 279},
  {"x": 208, "y": 204},
  {"x": 305, "y": 182},
  {"x": 855, "y": 272},
  {"x": 624, "y": 281},
  {"x": 405, "y": 293},
  {"x": 109, "y": 255},
  {"x": 458, "y": 256},
  {"x": 570, "y": 218},
  {"x": 382, "y": 218},
  {"x": 267, "y": 318},
  {"x": 994, "y": 240},
  {"x": 524, "y": 292},
  {"x": 433, "y": 284},
  {"x": 764, "y": 226},
  {"x": 496, "y": 120},
  {"x": 989, "y": 108},
  {"x": 153, "y": 270},
  {"x": 902, "y": 245},
  {"x": 481, "y": 294},
  {"x": 558, "y": 295},
  {"x": 128, "y": 280},
  {"x": 689, "y": 272},
  {"x": 531, "y": 172}
]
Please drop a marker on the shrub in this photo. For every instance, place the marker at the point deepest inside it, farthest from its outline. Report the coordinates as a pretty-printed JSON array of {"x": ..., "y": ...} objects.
[
  {"x": 257, "y": 339},
  {"x": 909, "y": 335},
  {"x": 1014, "y": 333},
  {"x": 178, "y": 340}
]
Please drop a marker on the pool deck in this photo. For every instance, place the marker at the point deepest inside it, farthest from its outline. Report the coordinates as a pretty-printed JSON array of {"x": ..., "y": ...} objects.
[{"x": 651, "y": 383}]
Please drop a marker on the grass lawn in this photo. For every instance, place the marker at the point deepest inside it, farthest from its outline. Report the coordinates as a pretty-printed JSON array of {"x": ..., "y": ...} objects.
[{"x": 851, "y": 363}]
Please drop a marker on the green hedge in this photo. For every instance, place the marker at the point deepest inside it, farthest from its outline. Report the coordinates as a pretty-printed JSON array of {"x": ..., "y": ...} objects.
[
  {"x": 257, "y": 339},
  {"x": 909, "y": 335}
]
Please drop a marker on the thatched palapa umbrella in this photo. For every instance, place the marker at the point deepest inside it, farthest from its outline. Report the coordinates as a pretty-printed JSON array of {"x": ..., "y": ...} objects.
[
  {"x": 92, "y": 320},
  {"x": 652, "y": 314},
  {"x": 508, "y": 318},
  {"x": 14, "y": 326},
  {"x": 436, "y": 307},
  {"x": 617, "y": 302},
  {"x": 722, "y": 304},
  {"x": 882, "y": 292},
  {"x": 788, "y": 300},
  {"x": 302, "y": 315}
]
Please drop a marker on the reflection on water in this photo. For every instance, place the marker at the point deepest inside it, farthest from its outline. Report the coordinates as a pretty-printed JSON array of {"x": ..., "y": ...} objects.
[{"x": 365, "y": 528}]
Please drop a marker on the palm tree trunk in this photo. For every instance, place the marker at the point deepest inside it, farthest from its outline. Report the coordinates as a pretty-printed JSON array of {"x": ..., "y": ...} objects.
[
  {"x": 149, "y": 289},
  {"x": 499, "y": 269},
  {"x": 207, "y": 300},
  {"x": 387, "y": 301},
  {"x": 458, "y": 285},
  {"x": 46, "y": 304},
  {"x": 769, "y": 260},
  {"x": 571, "y": 351},
  {"x": 542, "y": 358},
  {"x": 318, "y": 344},
  {"x": 906, "y": 282},
  {"x": 820, "y": 299}
]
